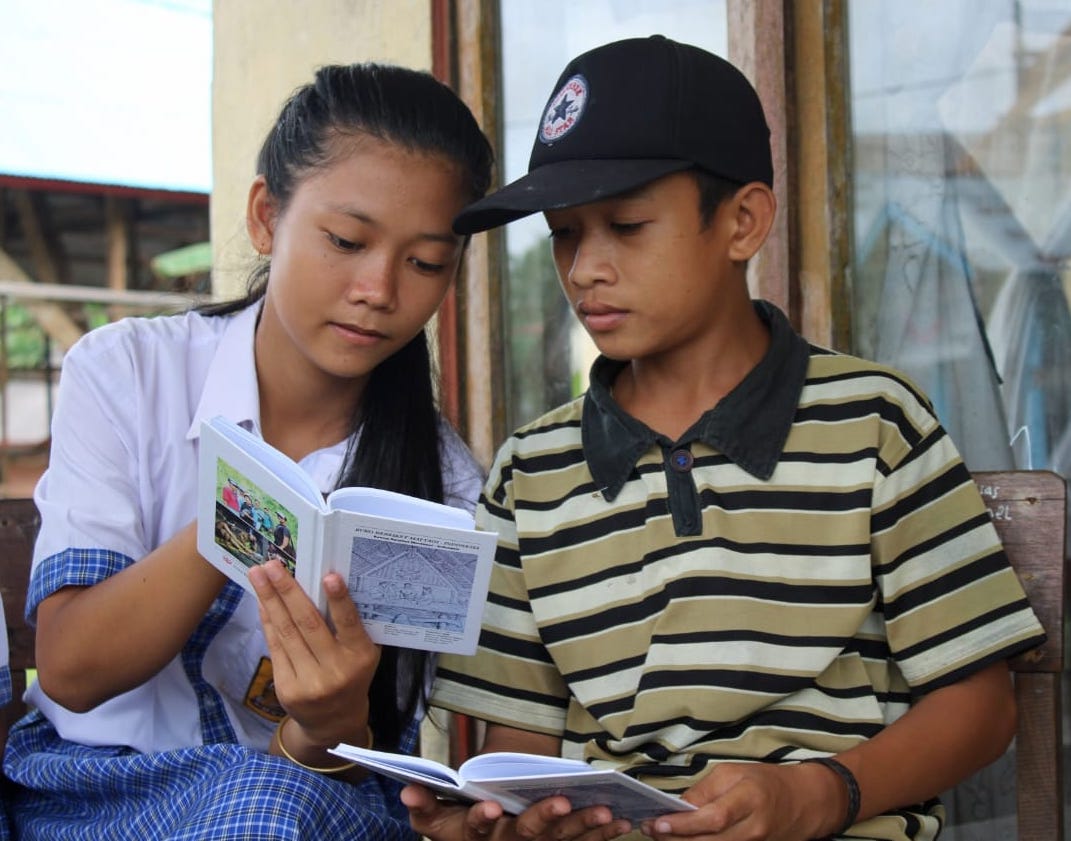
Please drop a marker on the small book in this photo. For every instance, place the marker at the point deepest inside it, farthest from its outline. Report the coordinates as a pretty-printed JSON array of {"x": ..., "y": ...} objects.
[
  {"x": 417, "y": 570},
  {"x": 517, "y": 780}
]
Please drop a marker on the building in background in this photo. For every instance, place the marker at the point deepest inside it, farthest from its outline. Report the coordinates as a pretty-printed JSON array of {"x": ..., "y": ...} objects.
[{"x": 105, "y": 177}]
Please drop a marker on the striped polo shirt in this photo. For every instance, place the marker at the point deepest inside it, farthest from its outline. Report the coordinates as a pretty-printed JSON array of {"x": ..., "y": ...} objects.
[{"x": 779, "y": 583}]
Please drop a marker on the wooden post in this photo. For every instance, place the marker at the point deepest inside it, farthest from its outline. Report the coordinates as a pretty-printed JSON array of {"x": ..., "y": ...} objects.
[
  {"x": 821, "y": 148},
  {"x": 757, "y": 45},
  {"x": 117, "y": 235},
  {"x": 480, "y": 299}
]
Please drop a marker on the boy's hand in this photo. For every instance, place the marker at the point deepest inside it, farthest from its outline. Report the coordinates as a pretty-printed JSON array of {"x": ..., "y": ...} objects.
[
  {"x": 443, "y": 820},
  {"x": 549, "y": 820},
  {"x": 757, "y": 801}
]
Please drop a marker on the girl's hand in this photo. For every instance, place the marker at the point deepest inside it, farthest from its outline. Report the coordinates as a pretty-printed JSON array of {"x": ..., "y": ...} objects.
[{"x": 321, "y": 676}]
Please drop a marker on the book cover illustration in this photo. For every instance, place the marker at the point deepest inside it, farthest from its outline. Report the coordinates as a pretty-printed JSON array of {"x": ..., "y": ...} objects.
[{"x": 250, "y": 524}]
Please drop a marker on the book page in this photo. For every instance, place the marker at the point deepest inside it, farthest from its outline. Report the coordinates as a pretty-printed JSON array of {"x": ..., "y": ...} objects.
[
  {"x": 497, "y": 764},
  {"x": 626, "y": 797},
  {"x": 399, "y": 507},
  {"x": 246, "y": 513},
  {"x": 415, "y": 768},
  {"x": 415, "y": 585}
]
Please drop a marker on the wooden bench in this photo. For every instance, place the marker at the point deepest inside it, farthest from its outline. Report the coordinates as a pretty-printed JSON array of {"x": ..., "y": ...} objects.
[
  {"x": 19, "y": 522},
  {"x": 1029, "y": 511}
]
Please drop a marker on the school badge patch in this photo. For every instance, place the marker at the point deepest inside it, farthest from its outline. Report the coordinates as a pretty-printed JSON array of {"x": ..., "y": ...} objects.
[
  {"x": 564, "y": 110},
  {"x": 260, "y": 696}
]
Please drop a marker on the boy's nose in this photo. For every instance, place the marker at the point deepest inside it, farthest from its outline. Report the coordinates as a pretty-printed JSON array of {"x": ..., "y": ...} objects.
[{"x": 589, "y": 263}]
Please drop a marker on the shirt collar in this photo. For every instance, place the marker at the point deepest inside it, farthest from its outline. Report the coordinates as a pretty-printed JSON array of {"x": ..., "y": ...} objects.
[
  {"x": 231, "y": 385},
  {"x": 749, "y": 425}
]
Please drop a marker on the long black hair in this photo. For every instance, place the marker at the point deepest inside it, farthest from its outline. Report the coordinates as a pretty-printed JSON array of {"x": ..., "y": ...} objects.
[{"x": 398, "y": 447}]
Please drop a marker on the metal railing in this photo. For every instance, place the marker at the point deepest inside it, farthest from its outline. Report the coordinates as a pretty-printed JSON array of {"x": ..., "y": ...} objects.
[{"x": 49, "y": 306}]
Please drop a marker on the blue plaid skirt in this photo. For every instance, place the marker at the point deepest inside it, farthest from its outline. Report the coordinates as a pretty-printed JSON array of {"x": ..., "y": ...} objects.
[{"x": 220, "y": 791}]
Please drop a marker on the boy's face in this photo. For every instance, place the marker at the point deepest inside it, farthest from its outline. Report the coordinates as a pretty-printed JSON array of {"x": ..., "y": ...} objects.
[{"x": 643, "y": 274}]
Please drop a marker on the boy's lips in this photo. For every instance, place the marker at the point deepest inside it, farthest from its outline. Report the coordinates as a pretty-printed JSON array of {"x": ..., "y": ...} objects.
[{"x": 600, "y": 317}]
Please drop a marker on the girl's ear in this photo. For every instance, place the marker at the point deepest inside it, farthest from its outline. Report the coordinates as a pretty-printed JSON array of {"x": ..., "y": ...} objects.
[
  {"x": 754, "y": 206},
  {"x": 260, "y": 215}
]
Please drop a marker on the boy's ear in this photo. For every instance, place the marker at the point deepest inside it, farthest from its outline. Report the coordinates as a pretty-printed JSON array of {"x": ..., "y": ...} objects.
[
  {"x": 754, "y": 206},
  {"x": 260, "y": 214}
]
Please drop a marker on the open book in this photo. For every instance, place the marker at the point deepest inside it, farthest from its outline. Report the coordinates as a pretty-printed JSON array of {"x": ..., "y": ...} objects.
[
  {"x": 517, "y": 780},
  {"x": 417, "y": 570}
]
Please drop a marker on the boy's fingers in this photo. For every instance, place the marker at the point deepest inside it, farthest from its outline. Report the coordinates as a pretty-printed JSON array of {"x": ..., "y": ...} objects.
[
  {"x": 533, "y": 821},
  {"x": 554, "y": 817},
  {"x": 441, "y": 819},
  {"x": 480, "y": 820}
]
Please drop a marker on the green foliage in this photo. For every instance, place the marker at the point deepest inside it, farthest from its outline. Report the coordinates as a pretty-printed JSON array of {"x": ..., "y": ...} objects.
[
  {"x": 182, "y": 262},
  {"x": 539, "y": 347},
  {"x": 96, "y": 315},
  {"x": 24, "y": 339},
  {"x": 26, "y": 343}
]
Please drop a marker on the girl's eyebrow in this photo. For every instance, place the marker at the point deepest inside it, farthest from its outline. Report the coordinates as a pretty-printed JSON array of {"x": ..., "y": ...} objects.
[{"x": 447, "y": 237}]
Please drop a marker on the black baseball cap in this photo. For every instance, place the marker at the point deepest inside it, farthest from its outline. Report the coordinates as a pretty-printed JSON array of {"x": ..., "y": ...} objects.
[{"x": 626, "y": 113}]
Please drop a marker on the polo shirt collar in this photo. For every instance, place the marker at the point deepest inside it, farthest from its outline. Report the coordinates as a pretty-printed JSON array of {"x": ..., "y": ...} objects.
[
  {"x": 749, "y": 425},
  {"x": 230, "y": 387}
]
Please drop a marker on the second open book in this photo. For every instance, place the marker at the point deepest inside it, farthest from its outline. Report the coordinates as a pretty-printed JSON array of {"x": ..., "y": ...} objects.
[
  {"x": 517, "y": 780},
  {"x": 417, "y": 570}
]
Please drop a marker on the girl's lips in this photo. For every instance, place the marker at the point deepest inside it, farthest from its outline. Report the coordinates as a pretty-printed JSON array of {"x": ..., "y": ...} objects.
[{"x": 357, "y": 335}]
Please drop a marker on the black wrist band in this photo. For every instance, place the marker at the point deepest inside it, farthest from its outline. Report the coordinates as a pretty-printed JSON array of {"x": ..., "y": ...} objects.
[{"x": 850, "y": 782}]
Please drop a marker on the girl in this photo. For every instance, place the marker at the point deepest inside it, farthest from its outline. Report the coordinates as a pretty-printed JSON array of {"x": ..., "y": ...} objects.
[{"x": 169, "y": 704}]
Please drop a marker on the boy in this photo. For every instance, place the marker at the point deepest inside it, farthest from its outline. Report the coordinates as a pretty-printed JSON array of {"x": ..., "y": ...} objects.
[{"x": 740, "y": 567}]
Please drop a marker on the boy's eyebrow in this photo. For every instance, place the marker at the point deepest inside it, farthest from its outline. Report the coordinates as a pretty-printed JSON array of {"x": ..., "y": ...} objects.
[{"x": 633, "y": 193}]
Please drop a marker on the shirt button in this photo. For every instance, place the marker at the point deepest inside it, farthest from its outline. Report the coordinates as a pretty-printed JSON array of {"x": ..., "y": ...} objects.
[{"x": 681, "y": 460}]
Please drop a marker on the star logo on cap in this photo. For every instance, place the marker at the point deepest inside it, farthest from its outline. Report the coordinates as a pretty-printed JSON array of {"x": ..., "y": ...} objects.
[{"x": 564, "y": 110}]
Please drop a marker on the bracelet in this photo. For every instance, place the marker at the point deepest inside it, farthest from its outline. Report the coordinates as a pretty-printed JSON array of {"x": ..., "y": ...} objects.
[
  {"x": 850, "y": 783},
  {"x": 277, "y": 737}
]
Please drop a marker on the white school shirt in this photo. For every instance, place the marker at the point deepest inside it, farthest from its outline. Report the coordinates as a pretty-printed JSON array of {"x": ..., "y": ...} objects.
[{"x": 122, "y": 477}]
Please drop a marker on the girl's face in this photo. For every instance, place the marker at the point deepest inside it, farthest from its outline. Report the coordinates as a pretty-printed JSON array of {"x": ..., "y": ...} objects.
[{"x": 361, "y": 258}]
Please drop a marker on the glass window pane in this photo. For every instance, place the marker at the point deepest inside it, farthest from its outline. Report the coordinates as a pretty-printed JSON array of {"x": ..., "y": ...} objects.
[
  {"x": 549, "y": 353},
  {"x": 961, "y": 112}
]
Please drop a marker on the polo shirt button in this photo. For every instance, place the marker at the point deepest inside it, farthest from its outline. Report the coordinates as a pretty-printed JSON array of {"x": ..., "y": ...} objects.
[{"x": 681, "y": 460}]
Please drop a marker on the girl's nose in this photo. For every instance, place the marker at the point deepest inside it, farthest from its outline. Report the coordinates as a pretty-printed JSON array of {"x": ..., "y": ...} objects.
[{"x": 375, "y": 283}]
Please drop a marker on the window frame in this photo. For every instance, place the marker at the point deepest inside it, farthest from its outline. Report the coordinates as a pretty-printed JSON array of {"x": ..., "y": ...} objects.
[{"x": 796, "y": 56}]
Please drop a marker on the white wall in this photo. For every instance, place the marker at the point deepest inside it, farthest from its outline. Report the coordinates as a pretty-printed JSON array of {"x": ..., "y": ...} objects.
[{"x": 262, "y": 51}]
